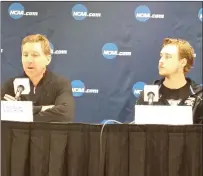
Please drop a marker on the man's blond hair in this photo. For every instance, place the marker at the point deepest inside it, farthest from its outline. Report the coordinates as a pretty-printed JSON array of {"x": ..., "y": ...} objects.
[
  {"x": 185, "y": 51},
  {"x": 38, "y": 38}
]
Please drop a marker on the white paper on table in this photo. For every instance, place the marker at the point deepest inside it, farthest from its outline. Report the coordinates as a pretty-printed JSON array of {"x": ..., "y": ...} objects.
[
  {"x": 163, "y": 115},
  {"x": 21, "y": 111}
]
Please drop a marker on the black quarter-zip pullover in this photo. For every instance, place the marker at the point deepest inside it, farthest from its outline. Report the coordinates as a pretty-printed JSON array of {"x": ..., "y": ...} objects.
[{"x": 51, "y": 90}]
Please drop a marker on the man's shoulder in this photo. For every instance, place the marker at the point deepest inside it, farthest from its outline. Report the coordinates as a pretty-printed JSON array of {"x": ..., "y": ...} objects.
[
  {"x": 9, "y": 81},
  {"x": 59, "y": 79},
  {"x": 7, "y": 87}
]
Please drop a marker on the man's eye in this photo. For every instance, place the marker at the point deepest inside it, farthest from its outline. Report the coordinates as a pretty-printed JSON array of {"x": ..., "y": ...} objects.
[{"x": 35, "y": 55}]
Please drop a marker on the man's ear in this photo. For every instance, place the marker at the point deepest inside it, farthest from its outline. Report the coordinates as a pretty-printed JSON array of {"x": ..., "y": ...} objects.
[
  {"x": 183, "y": 62},
  {"x": 48, "y": 59}
]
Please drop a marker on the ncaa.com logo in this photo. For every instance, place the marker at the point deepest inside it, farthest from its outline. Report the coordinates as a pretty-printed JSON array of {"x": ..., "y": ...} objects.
[
  {"x": 78, "y": 89},
  {"x": 110, "y": 51},
  {"x": 80, "y": 12},
  {"x": 143, "y": 13},
  {"x": 17, "y": 11},
  {"x": 57, "y": 52},
  {"x": 200, "y": 14},
  {"x": 138, "y": 88}
]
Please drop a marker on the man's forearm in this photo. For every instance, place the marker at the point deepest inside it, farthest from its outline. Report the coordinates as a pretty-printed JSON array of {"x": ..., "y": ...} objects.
[
  {"x": 38, "y": 109},
  {"x": 60, "y": 113}
]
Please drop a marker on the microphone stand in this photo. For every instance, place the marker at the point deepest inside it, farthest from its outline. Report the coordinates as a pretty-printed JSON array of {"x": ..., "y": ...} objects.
[
  {"x": 18, "y": 93},
  {"x": 17, "y": 98},
  {"x": 150, "y": 98}
]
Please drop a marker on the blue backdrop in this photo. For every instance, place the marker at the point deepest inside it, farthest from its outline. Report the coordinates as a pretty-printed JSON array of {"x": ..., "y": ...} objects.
[{"x": 108, "y": 50}]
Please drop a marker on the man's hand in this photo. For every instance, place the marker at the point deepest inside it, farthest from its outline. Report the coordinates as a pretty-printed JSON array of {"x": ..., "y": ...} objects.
[
  {"x": 44, "y": 108},
  {"x": 9, "y": 98}
]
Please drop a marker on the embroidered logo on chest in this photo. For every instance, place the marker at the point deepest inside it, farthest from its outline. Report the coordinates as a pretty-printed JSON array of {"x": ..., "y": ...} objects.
[
  {"x": 173, "y": 102},
  {"x": 190, "y": 101}
]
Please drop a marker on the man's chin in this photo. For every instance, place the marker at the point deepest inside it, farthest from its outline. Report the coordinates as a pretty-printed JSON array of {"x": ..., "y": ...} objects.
[
  {"x": 30, "y": 73},
  {"x": 162, "y": 73}
]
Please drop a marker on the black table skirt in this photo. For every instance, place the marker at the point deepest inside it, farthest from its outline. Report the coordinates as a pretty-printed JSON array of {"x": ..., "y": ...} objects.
[{"x": 42, "y": 149}]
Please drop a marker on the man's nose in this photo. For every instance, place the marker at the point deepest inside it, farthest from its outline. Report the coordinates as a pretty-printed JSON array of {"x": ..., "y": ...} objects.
[
  {"x": 161, "y": 64},
  {"x": 161, "y": 60},
  {"x": 30, "y": 59}
]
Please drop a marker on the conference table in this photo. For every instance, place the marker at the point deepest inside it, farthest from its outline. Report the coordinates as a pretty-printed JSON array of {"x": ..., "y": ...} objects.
[{"x": 75, "y": 149}]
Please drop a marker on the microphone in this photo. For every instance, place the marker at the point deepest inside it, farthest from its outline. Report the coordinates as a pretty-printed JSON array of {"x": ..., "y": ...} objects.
[
  {"x": 151, "y": 94},
  {"x": 21, "y": 87}
]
